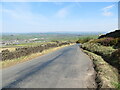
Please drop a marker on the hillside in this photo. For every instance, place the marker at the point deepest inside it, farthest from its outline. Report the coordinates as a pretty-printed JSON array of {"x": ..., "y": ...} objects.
[
  {"x": 114, "y": 34},
  {"x": 105, "y": 53}
]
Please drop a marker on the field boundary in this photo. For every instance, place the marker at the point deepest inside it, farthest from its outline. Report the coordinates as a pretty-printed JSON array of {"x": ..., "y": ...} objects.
[{"x": 8, "y": 63}]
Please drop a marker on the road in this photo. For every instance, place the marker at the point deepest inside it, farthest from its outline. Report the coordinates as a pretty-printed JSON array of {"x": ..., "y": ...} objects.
[{"x": 67, "y": 67}]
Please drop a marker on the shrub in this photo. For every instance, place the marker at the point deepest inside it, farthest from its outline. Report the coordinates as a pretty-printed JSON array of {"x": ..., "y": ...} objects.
[
  {"x": 6, "y": 54},
  {"x": 107, "y": 41},
  {"x": 117, "y": 44},
  {"x": 115, "y": 58},
  {"x": 84, "y": 40}
]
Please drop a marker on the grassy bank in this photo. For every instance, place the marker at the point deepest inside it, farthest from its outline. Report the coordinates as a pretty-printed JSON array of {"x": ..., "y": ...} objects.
[
  {"x": 105, "y": 53},
  {"x": 106, "y": 60},
  {"x": 107, "y": 76},
  {"x": 98, "y": 49},
  {"x": 111, "y": 55}
]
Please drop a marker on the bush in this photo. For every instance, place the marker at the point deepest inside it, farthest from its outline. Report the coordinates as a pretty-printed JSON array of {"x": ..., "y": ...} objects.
[
  {"x": 6, "y": 54},
  {"x": 115, "y": 58},
  {"x": 106, "y": 41},
  {"x": 84, "y": 40},
  {"x": 117, "y": 44}
]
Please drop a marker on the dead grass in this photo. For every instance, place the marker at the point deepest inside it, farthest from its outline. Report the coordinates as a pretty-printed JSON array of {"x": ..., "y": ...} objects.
[
  {"x": 10, "y": 49},
  {"x": 8, "y": 63}
]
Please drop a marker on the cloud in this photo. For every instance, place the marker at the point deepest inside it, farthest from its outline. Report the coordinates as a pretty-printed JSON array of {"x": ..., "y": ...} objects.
[
  {"x": 12, "y": 13},
  {"x": 106, "y": 10},
  {"x": 22, "y": 20},
  {"x": 108, "y": 7},
  {"x": 62, "y": 13},
  {"x": 107, "y": 13},
  {"x": 24, "y": 15}
]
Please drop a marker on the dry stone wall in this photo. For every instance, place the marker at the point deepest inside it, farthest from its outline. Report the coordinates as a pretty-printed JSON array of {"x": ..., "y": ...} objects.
[{"x": 24, "y": 51}]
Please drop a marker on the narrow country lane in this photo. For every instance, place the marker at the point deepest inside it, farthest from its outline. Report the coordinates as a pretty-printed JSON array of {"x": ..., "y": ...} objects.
[{"x": 67, "y": 67}]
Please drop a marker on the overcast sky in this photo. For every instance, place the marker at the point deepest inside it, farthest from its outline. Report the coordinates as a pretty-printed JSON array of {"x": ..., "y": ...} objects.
[{"x": 59, "y": 16}]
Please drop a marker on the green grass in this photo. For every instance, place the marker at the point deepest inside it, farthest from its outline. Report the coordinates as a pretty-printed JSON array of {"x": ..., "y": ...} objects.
[
  {"x": 32, "y": 44},
  {"x": 109, "y": 54},
  {"x": 47, "y": 36},
  {"x": 84, "y": 39},
  {"x": 90, "y": 36},
  {"x": 98, "y": 49},
  {"x": 117, "y": 85}
]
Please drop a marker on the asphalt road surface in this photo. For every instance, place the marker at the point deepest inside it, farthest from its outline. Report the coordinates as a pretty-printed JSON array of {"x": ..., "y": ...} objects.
[{"x": 67, "y": 67}]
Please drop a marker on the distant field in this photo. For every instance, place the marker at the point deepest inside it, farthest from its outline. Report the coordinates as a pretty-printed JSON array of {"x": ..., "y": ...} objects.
[
  {"x": 47, "y": 36},
  {"x": 42, "y": 38},
  {"x": 31, "y": 44},
  {"x": 89, "y": 36}
]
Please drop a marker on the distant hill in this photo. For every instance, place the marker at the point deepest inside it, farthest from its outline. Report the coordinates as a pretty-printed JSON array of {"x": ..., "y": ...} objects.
[{"x": 114, "y": 34}]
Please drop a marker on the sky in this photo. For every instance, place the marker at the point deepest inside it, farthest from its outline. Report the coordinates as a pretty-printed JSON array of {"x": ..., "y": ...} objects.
[{"x": 27, "y": 17}]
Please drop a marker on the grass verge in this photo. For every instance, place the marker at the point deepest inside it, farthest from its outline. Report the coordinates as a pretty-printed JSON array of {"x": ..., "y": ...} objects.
[
  {"x": 107, "y": 76},
  {"x": 12, "y": 62},
  {"x": 98, "y": 49},
  {"x": 109, "y": 54}
]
